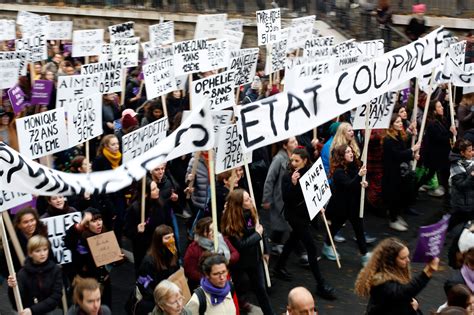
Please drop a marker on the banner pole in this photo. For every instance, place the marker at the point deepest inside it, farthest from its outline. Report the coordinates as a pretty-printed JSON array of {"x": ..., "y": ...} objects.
[
  {"x": 14, "y": 238},
  {"x": 11, "y": 268},
  {"x": 415, "y": 109},
  {"x": 87, "y": 154},
  {"x": 143, "y": 200},
  {"x": 367, "y": 133},
  {"x": 190, "y": 94},
  {"x": 237, "y": 95},
  {"x": 124, "y": 86},
  {"x": 451, "y": 107},
  {"x": 212, "y": 180},
  {"x": 330, "y": 239}
]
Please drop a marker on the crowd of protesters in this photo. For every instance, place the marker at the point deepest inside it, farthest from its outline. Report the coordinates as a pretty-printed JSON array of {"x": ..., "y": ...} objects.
[{"x": 275, "y": 223}]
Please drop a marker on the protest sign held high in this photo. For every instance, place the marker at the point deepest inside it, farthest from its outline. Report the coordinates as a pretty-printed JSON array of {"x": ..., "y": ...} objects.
[
  {"x": 303, "y": 75},
  {"x": 379, "y": 111},
  {"x": 87, "y": 42},
  {"x": 229, "y": 153},
  {"x": 23, "y": 56},
  {"x": 276, "y": 57},
  {"x": 7, "y": 29},
  {"x": 268, "y": 26},
  {"x": 210, "y": 26},
  {"x": 17, "y": 98},
  {"x": 122, "y": 30},
  {"x": 190, "y": 56},
  {"x": 153, "y": 54},
  {"x": 457, "y": 52},
  {"x": 35, "y": 45},
  {"x": 41, "y": 92},
  {"x": 126, "y": 50},
  {"x": 218, "y": 54},
  {"x": 162, "y": 33},
  {"x": 370, "y": 49},
  {"x": 236, "y": 25},
  {"x": 244, "y": 66},
  {"x": 318, "y": 47},
  {"x": 106, "y": 53},
  {"x": 110, "y": 73},
  {"x": 301, "y": 29},
  {"x": 9, "y": 73},
  {"x": 219, "y": 87},
  {"x": 315, "y": 186},
  {"x": 33, "y": 24},
  {"x": 234, "y": 39},
  {"x": 84, "y": 119},
  {"x": 74, "y": 87},
  {"x": 104, "y": 248},
  {"x": 159, "y": 78},
  {"x": 431, "y": 240},
  {"x": 59, "y": 30}
]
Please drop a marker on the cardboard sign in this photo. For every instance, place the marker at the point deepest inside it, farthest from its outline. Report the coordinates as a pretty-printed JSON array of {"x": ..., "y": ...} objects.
[
  {"x": 87, "y": 42},
  {"x": 301, "y": 29},
  {"x": 74, "y": 87},
  {"x": 457, "y": 52},
  {"x": 42, "y": 134},
  {"x": 380, "y": 111},
  {"x": 315, "y": 186},
  {"x": 35, "y": 25},
  {"x": 179, "y": 278},
  {"x": 57, "y": 227},
  {"x": 126, "y": 50},
  {"x": 9, "y": 73},
  {"x": 236, "y": 25},
  {"x": 153, "y": 54},
  {"x": 371, "y": 49},
  {"x": 10, "y": 199},
  {"x": 17, "y": 98},
  {"x": 36, "y": 45},
  {"x": 23, "y": 56},
  {"x": 59, "y": 30},
  {"x": 41, "y": 92},
  {"x": 159, "y": 78},
  {"x": 106, "y": 54},
  {"x": 7, "y": 29},
  {"x": 104, "y": 248},
  {"x": 123, "y": 30},
  {"x": 190, "y": 56},
  {"x": 229, "y": 152},
  {"x": 268, "y": 26},
  {"x": 210, "y": 26},
  {"x": 318, "y": 47},
  {"x": 162, "y": 33},
  {"x": 301, "y": 75},
  {"x": 431, "y": 240},
  {"x": 143, "y": 139},
  {"x": 234, "y": 39},
  {"x": 84, "y": 119},
  {"x": 244, "y": 66},
  {"x": 276, "y": 57},
  {"x": 218, "y": 54},
  {"x": 110, "y": 73},
  {"x": 219, "y": 87}
]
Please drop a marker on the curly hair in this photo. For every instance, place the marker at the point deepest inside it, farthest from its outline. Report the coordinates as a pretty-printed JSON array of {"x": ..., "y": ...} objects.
[
  {"x": 233, "y": 223},
  {"x": 382, "y": 267},
  {"x": 340, "y": 139},
  {"x": 338, "y": 159}
]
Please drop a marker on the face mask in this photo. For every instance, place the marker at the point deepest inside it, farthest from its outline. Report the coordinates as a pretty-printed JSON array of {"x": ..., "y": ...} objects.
[{"x": 171, "y": 246}]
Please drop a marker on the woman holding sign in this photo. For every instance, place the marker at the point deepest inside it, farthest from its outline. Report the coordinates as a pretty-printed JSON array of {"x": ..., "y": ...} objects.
[{"x": 388, "y": 282}]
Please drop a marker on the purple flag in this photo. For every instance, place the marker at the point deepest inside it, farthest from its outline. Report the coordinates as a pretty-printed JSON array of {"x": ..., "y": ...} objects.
[
  {"x": 31, "y": 203},
  {"x": 41, "y": 92},
  {"x": 431, "y": 240},
  {"x": 17, "y": 98}
]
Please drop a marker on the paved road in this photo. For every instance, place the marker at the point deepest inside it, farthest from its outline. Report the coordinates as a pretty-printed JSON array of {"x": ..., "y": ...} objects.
[{"x": 342, "y": 279}]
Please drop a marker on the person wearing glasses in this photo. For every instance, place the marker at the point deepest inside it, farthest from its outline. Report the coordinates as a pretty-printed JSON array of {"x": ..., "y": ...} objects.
[{"x": 169, "y": 299}]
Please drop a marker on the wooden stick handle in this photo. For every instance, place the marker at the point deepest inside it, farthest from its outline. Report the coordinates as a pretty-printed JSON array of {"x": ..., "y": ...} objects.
[
  {"x": 330, "y": 239},
  {"x": 14, "y": 238},
  {"x": 415, "y": 109},
  {"x": 451, "y": 107},
  {"x": 212, "y": 180},
  {"x": 142, "y": 212}
]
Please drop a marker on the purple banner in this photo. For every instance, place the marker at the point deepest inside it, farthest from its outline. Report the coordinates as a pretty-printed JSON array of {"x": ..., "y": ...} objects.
[
  {"x": 41, "y": 92},
  {"x": 431, "y": 240},
  {"x": 17, "y": 98},
  {"x": 31, "y": 203}
]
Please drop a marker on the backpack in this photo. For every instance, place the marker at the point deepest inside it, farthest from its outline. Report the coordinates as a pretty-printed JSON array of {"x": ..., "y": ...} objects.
[{"x": 202, "y": 298}]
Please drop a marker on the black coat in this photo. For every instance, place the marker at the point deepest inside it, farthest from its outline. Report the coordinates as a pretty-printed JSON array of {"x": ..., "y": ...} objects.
[
  {"x": 40, "y": 286},
  {"x": 462, "y": 184},
  {"x": 393, "y": 298},
  {"x": 395, "y": 152},
  {"x": 436, "y": 144},
  {"x": 346, "y": 191},
  {"x": 295, "y": 206}
]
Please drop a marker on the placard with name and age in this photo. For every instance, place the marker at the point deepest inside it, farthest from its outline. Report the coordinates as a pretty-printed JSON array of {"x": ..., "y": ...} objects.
[
  {"x": 36, "y": 45},
  {"x": 122, "y": 30},
  {"x": 84, "y": 119},
  {"x": 190, "y": 56},
  {"x": 110, "y": 75},
  {"x": 219, "y": 88},
  {"x": 210, "y": 26},
  {"x": 229, "y": 152},
  {"x": 268, "y": 26},
  {"x": 126, "y": 50},
  {"x": 159, "y": 78}
]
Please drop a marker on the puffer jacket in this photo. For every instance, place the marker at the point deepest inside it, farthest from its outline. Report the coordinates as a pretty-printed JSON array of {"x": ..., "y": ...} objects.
[
  {"x": 201, "y": 183},
  {"x": 461, "y": 183}
]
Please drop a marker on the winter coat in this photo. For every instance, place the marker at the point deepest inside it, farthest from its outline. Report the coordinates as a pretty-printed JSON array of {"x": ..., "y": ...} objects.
[
  {"x": 395, "y": 152},
  {"x": 346, "y": 191},
  {"x": 53, "y": 212},
  {"x": 465, "y": 115},
  {"x": 227, "y": 306},
  {"x": 201, "y": 192},
  {"x": 75, "y": 310},
  {"x": 296, "y": 212},
  {"x": 326, "y": 155},
  {"x": 436, "y": 144},
  {"x": 40, "y": 286},
  {"x": 461, "y": 183},
  {"x": 394, "y": 298}
]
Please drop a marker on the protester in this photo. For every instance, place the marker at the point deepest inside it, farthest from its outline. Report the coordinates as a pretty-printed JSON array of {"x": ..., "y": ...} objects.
[
  {"x": 169, "y": 300},
  {"x": 387, "y": 281},
  {"x": 153, "y": 113},
  {"x": 300, "y": 301},
  {"x": 459, "y": 295},
  {"x": 224, "y": 183},
  {"x": 87, "y": 298},
  {"x": 57, "y": 205},
  {"x": 416, "y": 27},
  {"x": 465, "y": 114},
  {"x": 110, "y": 112},
  {"x": 7, "y": 129},
  {"x": 39, "y": 281}
]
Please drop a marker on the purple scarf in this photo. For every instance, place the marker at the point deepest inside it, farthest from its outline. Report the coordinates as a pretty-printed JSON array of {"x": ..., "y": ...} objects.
[
  {"x": 468, "y": 276},
  {"x": 217, "y": 294}
]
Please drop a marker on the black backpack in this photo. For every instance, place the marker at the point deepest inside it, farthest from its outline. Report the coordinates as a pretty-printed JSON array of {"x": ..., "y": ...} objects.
[{"x": 202, "y": 298}]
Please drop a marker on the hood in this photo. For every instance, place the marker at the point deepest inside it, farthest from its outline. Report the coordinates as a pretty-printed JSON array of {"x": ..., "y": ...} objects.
[{"x": 454, "y": 157}]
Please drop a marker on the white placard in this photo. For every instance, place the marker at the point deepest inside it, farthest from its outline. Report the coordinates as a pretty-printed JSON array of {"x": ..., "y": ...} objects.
[
  {"x": 234, "y": 39},
  {"x": 162, "y": 33},
  {"x": 7, "y": 29},
  {"x": 371, "y": 49},
  {"x": 344, "y": 63},
  {"x": 84, "y": 119},
  {"x": 315, "y": 186},
  {"x": 9, "y": 70},
  {"x": 218, "y": 54},
  {"x": 219, "y": 87},
  {"x": 106, "y": 54},
  {"x": 300, "y": 30},
  {"x": 42, "y": 134},
  {"x": 152, "y": 54},
  {"x": 244, "y": 66},
  {"x": 36, "y": 25},
  {"x": 380, "y": 112},
  {"x": 22, "y": 56},
  {"x": 457, "y": 52},
  {"x": 122, "y": 30},
  {"x": 190, "y": 56},
  {"x": 181, "y": 82},
  {"x": 236, "y": 25},
  {"x": 468, "y": 67},
  {"x": 268, "y": 26},
  {"x": 276, "y": 57},
  {"x": 74, "y": 87},
  {"x": 36, "y": 45},
  {"x": 126, "y": 50},
  {"x": 220, "y": 118},
  {"x": 25, "y": 17},
  {"x": 10, "y": 199},
  {"x": 318, "y": 47},
  {"x": 110, "y": 75},
  {"x": 143, "y": 139},
  {"x": 300, "y": 76},
  {"x": 159, "y": 78},
  {"x": 57, "y": 227},
  {"x": 59, "y": 30},
  {"x": 210, "y": 26},
  {"x": 87, "y": 42},
  {"x": 229, "y": 152}
]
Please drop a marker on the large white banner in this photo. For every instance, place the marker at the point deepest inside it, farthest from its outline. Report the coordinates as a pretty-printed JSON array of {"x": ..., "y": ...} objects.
[
  {"x": 287, "y": 114},
  {"x": 126, "y": 50},
  {"x": 110, "y": 75},
  {"x": 87, "y": 42},
  {"x": 42, "y": 134},
  {"x": 315, "y": 186},
  {"x": 210, "y": 26},
  {"x": 300, "y": 76},
  {"x": 220, "y": 118},
  {"x": 268, "y": 26},
  {"x": 162, "y": 33},
  {"x": 36, "y": 45},
  {"x": 10, "y": 199},
  {"x": 190, "y": 56},
  {"x": 21, "y": 174},
  {"x": 143, "y": 139},
  {"x": 380, "y": 111},
  {"x": 7, "y": 29},
  {"x": 219, "y": 88},
  {"x": 84, "y": 119},
  {"x": 74, "y": 87},
  {"x": 9, "y": 70},
  {"x": 59, "y": 30},
  {"x": 159, "y": 78}
]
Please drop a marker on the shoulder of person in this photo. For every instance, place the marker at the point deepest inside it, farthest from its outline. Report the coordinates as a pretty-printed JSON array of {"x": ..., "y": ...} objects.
[{"x": 105, "y": 310}]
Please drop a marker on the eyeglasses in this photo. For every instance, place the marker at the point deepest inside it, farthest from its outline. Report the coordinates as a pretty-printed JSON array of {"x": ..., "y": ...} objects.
[{"x": 177, "y": 302}]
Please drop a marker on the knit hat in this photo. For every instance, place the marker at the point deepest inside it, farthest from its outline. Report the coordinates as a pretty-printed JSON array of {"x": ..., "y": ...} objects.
[
  {"x": 129, "y": 121},
  {"x": 130, "y": 112},
  {"x": 466, "y": 241},
  {"x": 419, "y": 8},
  {"x": 256, "y": 84}
]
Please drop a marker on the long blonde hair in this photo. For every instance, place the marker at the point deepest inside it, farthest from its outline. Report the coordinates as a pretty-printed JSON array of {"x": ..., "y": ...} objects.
[
  {"x": 382, "y": 267},
  {"x": 340, "y": 139}
]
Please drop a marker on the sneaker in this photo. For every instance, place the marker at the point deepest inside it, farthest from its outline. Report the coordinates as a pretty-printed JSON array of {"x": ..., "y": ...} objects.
[
  {"x": 424, "y": 188},
  {"x": 365, "y": 259},
  {"x": 402, "y": 221},
  {"x": 282, "y": 273},
  {"x": 368, "y": 239},
  {"x": 326, "y": 292},
  {"x": 438, "y": 192},
  {"x": 397, "y": 226},
  {"x": 328, "y": 252},
  {"x": 338, "y": 238},
  {"x": 304, "y": 260},
  {"x": 185, "y": 214}
]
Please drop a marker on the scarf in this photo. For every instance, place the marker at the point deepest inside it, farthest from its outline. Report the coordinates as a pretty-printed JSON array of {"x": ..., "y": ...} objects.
[
  {"x": 217, "y": 294},
  {"x": 468, "y": 276},
  {"x": 113, "y": 158},
  {"x": 208, "y": 245}
]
